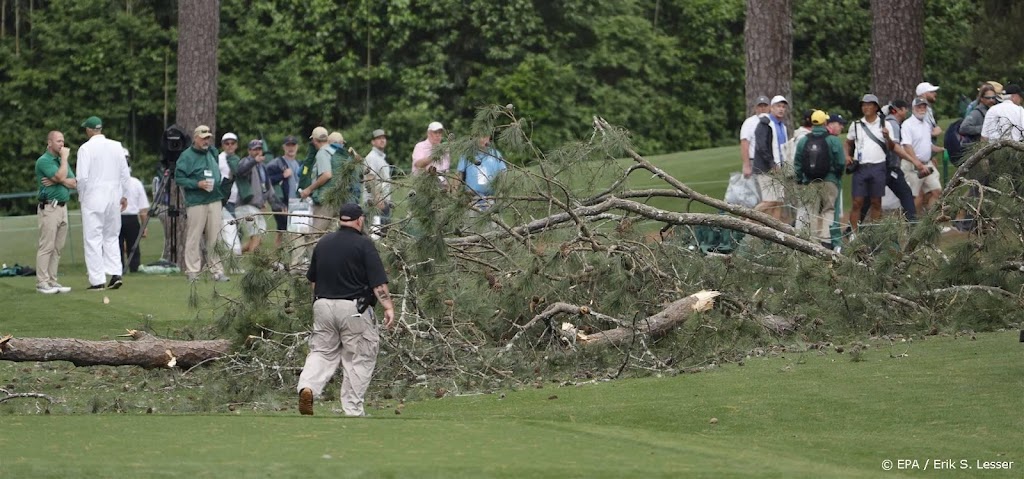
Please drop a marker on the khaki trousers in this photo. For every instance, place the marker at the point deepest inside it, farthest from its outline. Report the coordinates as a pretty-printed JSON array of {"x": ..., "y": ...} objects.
[
  {"x": 341, "y": 335},
  {"x": 53, "y": 231},
  {"x": 203, "y": 218},
  {"x": 321, "y": 225},
  {"x": 819, "y": 198}
]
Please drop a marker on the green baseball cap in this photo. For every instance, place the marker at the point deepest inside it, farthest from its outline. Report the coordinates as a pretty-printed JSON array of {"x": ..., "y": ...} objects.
[{"x": 93, "y": 122}]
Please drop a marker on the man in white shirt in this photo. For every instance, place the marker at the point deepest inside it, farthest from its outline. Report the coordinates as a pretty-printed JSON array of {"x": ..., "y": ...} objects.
[
  {"x": 378, "y": 181},
  {"x": 747, "y": 134},
  {"x": 917, "y": 138},
  {"x": 102, "y": 180},
  {"x": 865, "y": 151},
  {"x": 766, "y": 158},
  {"x": 423, "y": 154},
  {"x": 930, "y": 93},
  {"x": 1005, "y": 121},
  {"x": 132, "y": 219}
]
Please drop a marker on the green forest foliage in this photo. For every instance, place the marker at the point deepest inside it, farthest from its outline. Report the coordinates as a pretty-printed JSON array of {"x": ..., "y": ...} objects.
[{"x": 669, "y": 70}]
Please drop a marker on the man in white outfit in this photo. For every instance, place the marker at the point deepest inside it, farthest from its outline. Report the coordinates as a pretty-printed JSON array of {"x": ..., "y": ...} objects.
[{"x": 102, "y": 182}]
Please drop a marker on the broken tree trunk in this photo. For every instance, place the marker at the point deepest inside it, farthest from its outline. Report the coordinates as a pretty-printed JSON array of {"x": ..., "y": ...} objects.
[
  {"x": 674, "y": 315},
  {"x": 143, "y": 350}
]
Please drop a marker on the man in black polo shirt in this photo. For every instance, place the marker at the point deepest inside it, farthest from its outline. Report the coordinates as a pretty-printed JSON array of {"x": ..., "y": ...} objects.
[{"x": 344, "y": 269}]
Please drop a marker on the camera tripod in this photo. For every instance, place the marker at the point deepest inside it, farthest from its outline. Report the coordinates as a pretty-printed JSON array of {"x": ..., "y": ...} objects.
[{"x": 167, "y": 200}]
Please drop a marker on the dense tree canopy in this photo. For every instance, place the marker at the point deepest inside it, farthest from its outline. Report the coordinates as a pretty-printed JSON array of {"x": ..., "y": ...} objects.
[{"x": 670, "y": 70}]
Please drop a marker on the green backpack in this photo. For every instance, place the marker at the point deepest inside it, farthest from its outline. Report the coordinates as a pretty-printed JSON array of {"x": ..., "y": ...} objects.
[{"x": 306, "y": 175}]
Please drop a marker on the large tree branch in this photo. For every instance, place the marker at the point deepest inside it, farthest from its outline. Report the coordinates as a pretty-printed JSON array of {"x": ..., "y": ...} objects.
[
  {"x": 144, "y": 350},
  {"x": 674, "y": 315},
  {"x": 601, "y": 125},
  {"x": 973, "y": 160},
  {"x": 650, "y": 212}
]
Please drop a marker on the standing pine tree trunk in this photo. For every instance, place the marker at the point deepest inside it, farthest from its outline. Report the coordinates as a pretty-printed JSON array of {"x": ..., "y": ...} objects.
[
  {"x": 196, "y": 103},
  {"x": 768, "y": 41},
  {"x": 897, "y": 48}
]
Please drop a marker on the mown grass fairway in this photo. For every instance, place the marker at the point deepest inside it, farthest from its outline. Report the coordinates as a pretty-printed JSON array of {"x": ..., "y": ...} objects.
[{"x": 812, "y": 414}]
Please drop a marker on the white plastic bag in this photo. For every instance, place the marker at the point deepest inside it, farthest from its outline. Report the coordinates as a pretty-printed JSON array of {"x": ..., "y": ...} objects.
[{"x": 742, "y": 191}]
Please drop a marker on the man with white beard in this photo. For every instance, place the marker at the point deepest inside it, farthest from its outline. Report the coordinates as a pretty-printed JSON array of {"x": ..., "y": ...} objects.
[{"x": 102, "y": 182}]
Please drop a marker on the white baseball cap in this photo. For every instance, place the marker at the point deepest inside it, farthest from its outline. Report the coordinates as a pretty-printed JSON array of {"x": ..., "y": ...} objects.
[
  {"x": 229, "y": 136},
  {"x": 779, "y": 99},
  {"x": 925, "y": 87},
  {"x": 435, "y": 126}
]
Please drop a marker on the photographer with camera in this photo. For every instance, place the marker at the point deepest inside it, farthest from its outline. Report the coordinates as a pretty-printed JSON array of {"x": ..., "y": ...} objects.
[
  {"x": 344, "y": 270},
  {"x": 254, "y": 193},
  {"x": 197, "y": 173}
]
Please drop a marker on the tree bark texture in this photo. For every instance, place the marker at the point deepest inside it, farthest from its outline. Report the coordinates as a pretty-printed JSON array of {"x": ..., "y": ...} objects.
[
  {"x": 196, "y": 94},
  {"x": 674, "y": 315},
  {"x": 144, "y": 350},
  {"x": 768, "y": 41},
  {"x": 897, "y": 48},
  {"x": 198, "y": 37}
]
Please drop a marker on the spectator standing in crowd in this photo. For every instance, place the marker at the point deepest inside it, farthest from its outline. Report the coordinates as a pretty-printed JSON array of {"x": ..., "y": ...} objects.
[
  {"x": 320, "y": 174},
  {"x": 1005, "y": 121},
  {"x": 818, "y": 165},
  {"x": 55, "y": 180},
  {"x": 378, "y": 181},
  {"x": 835, "y": 124},
  {"x": 198, "y": 175},
  {"x": 283, "y": 172},
  {"x": 347, "y": 168},
  {"x": 971, "y": 127},
  {"x": 347, "y": 278},
  {"x": 423, "y": 155},
  {"x": 930, "y": 93},
  {"x": 747, "y": 134},
  {"x": 478, "y": 173},
  {"x": 254, "y": 193},
  {"x": 102, "y": 183},
  {"x": 922, "y": 177},
  {"x": 132, "y": 219},
  {"x": 227, "y": 161},
  {"x": 997, "y": 88},
  {"x": 866, "y": 147},
  {"x": 767, "y": 158}
]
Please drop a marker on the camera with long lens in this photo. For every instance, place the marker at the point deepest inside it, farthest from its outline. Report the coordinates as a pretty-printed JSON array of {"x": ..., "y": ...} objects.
[{"x": 174, "y": 141}]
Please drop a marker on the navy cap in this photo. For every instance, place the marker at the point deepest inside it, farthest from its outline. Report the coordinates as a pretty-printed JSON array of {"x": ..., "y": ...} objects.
[
  {"x": 350, "y": 212},
  {"x": 834, "y": 118},
  {"x": 290, "y": 140}
]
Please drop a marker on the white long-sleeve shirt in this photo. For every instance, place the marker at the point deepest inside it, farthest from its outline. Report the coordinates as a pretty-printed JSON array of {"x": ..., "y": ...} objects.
[
  {"x": 102, "y": 172},
  {"x": 1004, "y": 121}
]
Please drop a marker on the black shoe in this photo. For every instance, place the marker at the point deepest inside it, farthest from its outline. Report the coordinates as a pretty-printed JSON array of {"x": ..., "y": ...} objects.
[
  {"x": 96, "y": 287},
  {"x": 115, "y": 282}
]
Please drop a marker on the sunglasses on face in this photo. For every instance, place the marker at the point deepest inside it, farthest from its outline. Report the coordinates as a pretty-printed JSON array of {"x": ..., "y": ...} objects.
[{"x": 230, "y": 142}]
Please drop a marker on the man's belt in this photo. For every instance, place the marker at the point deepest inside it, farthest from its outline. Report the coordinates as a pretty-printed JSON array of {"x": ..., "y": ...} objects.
[{"x": 54, "y": 203}]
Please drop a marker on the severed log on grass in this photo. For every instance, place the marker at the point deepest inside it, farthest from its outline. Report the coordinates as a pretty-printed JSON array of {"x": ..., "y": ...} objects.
[
  {"x": 143, "y": 350},
  {"x": 674, "y": 315}
]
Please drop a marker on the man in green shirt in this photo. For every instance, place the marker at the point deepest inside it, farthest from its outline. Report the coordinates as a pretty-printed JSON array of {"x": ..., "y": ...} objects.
[
  {"x": 55, "y": 179},
  {"x": 197, "y": 172}
]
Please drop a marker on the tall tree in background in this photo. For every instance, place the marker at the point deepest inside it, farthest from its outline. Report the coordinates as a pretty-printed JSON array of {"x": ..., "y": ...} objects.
[
  {"x": 897, "y": 48},
  {"x": 196, "y": 98},
  {"x": 768, "y": 41}
]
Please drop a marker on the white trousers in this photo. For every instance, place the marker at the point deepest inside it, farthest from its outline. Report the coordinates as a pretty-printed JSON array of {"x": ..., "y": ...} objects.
[{"x": 101, "y": 226}]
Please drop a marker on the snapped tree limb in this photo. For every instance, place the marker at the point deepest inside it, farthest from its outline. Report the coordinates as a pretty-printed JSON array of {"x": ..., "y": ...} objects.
[{"x": 143, "y": 350}]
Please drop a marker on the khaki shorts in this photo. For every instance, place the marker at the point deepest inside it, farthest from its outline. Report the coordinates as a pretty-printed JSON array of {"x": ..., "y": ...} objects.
[
  {"x": 772, "y": 190},
  {"x": 919, "y": 185},
  {"x": 256, "y": 227}
]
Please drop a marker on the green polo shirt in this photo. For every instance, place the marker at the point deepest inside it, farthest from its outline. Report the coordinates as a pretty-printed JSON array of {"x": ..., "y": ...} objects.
[{"x": 47, "y": 166}]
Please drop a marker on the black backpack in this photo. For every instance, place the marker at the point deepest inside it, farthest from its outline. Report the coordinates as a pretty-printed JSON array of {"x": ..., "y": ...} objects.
[
  {"x": 955, "y": 143},
  {"x": 817, "y": 161},
  {"x": 764, "y": 157}
]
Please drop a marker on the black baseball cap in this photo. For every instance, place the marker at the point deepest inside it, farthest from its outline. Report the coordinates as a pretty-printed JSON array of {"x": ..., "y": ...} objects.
[{"x": 350, "y": 212}]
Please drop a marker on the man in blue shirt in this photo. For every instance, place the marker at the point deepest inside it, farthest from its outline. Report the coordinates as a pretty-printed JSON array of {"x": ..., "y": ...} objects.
[{"x": 479, "y": 173}]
